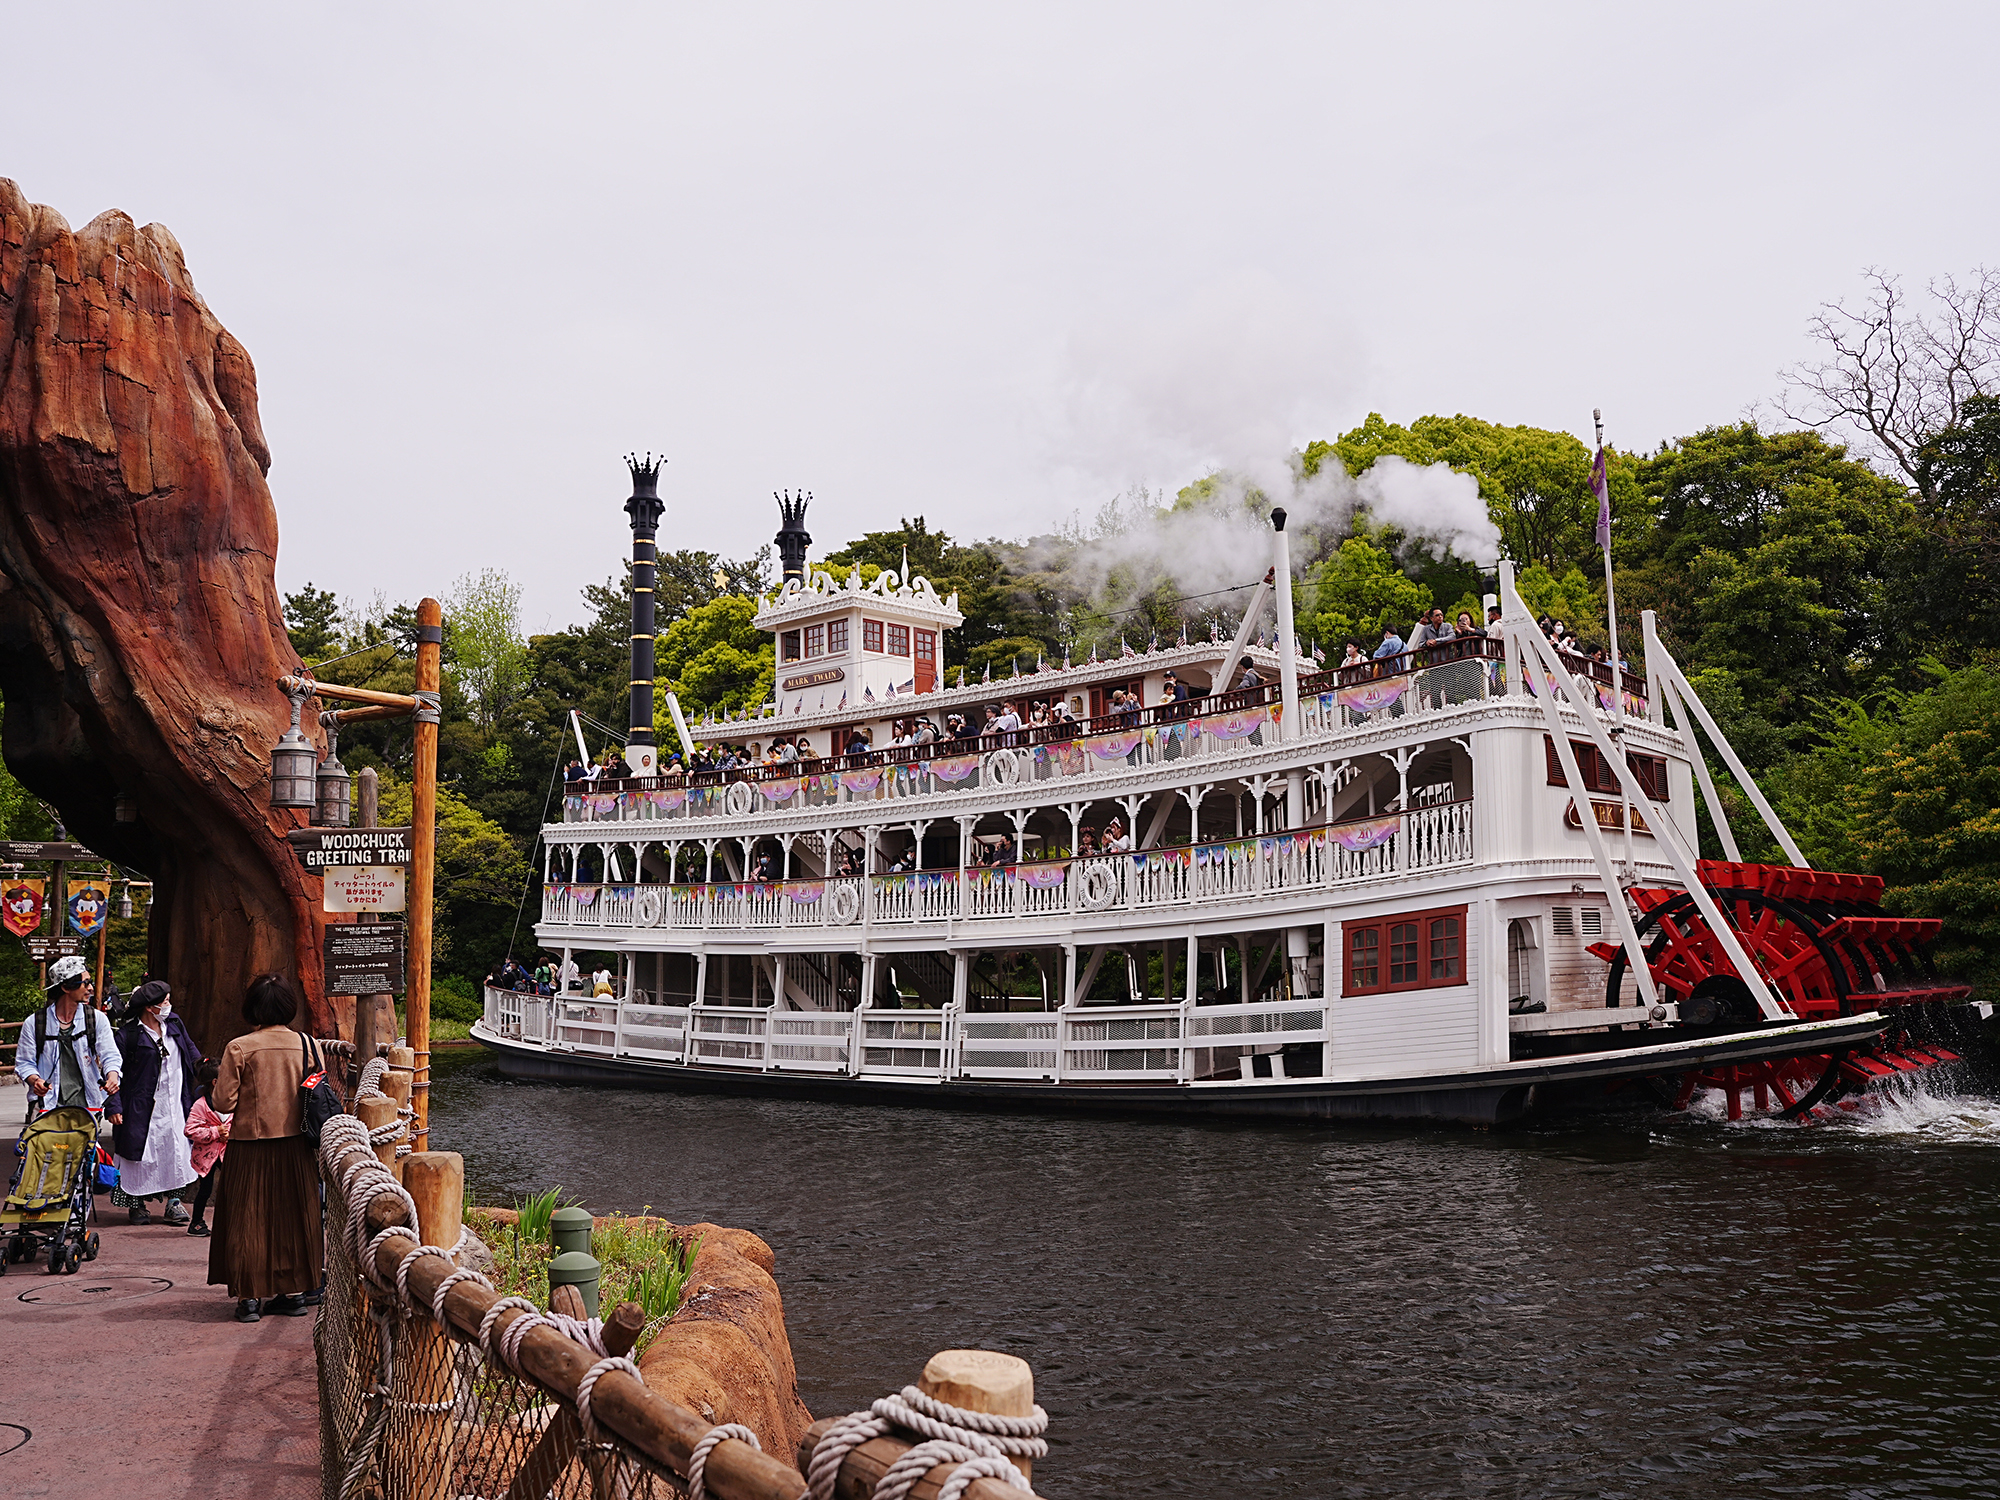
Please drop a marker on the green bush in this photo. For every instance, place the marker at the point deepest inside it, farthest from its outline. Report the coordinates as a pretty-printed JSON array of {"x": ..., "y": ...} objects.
[{"x": 455, "y": 998}]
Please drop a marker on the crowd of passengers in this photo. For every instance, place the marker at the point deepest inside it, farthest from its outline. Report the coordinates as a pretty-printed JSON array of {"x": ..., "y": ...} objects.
[
  {"x": 1122, "y": 710},
  {"x": 998, "y": 720},
  {"x": 1434, "y": 629}
]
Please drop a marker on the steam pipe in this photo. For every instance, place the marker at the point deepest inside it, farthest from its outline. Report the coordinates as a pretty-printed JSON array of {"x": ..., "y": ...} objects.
[
  {"x": 644, "y": 508},
  {"x": 1288, "y": 650}
]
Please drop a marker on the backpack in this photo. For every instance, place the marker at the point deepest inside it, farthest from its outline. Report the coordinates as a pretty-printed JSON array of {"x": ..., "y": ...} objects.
[
  {"x": 318, "y": 1099},
  {"x": 89, "y": 1032}
]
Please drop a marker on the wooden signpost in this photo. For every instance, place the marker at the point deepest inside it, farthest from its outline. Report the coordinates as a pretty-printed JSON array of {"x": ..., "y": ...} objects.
[
  {"x": 359, "y": 867},
  {"x": 60, "y": 855}
]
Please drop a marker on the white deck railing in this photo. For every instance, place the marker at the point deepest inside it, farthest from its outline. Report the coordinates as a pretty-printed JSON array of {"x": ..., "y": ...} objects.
[
  {"x": 1162, "y": 1043},
  {"x": 1434, "y": 837},
  {"x": 1219, "y": 730}
]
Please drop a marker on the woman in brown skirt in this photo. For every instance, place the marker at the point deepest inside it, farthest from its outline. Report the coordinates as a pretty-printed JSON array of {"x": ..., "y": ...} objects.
[{"x": 266, "y": 1247}]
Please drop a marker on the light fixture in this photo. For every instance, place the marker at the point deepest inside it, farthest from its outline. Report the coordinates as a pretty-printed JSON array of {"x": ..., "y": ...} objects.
[
  {"x": 335, "y": 790},
  {"x": 293, "y": 759},
  {"x": 124, "y": 809},
  {"x": 125, "y": 903}
]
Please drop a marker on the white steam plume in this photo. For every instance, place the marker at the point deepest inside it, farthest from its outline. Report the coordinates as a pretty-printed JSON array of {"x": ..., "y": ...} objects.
[{"x": 1226, "y": 541}]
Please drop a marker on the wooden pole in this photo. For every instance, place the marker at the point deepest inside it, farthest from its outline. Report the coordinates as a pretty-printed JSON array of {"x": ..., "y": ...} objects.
[
  {"x": 559, "y": 1440},
  {"x": 982, "y": 1380},
  {"x": 375, "y": 1113},
  {"x": 103, "y": 931},
  {"x": 976, "y": 1379},
  {"x": 423, "y": 856},
  {"x": 421, "y": 1447},
  {"x": 374, "y": 1015}
]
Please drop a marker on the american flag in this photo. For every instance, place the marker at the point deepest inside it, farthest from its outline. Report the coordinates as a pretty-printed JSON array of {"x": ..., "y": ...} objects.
[{"x": 1123, "y": 649}]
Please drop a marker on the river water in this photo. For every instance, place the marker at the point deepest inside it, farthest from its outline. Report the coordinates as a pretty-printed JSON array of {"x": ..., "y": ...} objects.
[{"x": 1640, "y": 1305}]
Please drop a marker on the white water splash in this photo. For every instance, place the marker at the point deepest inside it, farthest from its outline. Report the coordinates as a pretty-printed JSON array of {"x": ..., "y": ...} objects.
[{"x": 1913, "y": 1106}]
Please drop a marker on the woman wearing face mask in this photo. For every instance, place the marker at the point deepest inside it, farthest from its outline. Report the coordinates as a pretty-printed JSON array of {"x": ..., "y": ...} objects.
[{"x": 149, "y": 1112}]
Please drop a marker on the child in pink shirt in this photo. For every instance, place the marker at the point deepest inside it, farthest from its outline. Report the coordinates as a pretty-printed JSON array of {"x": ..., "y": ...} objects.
[{"x": 210, "y": 1133}]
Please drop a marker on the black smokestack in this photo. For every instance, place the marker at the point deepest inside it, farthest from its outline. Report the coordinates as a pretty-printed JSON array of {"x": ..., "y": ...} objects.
[
  {"x": 645, "y": 508},
  {"x": 792, "y": 537}
]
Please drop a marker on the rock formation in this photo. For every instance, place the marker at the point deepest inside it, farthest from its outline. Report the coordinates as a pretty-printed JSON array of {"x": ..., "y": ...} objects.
[
  {"x": 141, "y": 633},
  {"x": 725, "y": 1354}
]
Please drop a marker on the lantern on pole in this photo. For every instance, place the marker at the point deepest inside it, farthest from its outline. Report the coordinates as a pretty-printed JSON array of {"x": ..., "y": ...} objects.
[
  {"x": 125, "y": 903},
  {"x": 294, "y": 761},
  {"x": 335, "y": 793}
]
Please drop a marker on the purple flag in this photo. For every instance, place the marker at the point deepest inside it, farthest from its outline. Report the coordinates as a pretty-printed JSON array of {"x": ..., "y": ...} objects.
[{"x": 1600, "y": 486}]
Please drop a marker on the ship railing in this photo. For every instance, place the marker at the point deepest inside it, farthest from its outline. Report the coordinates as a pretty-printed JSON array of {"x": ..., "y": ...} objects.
[
  {"x": 659, "y": 1032},
  {"x": 1017, "y": 1045},
  {"x": 584, "y": 1025},
  {"x": 733, "y": 1035},
  {"x": 915, "y": 1044},
  {"x": 1136, "y": 1044},
  {"x": 1432, "y": 836},
  {"x": 813, "y": 1041},
  {"x": 1161, "y": 1042},
  {"x": 1218, "y": 726},
  {"x": 503, "y": 1011},
  {"x": 1221, "y": 1039}
]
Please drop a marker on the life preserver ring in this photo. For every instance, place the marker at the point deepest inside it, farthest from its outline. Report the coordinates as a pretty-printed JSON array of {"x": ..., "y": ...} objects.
[
  {"x": 1098, "y": 888},
  {"x": 741, "y": 799},
  {"x": 1003, "y": 767},
  {"x": 650, "y": 908},
  {"x": 843, "y": 904}
]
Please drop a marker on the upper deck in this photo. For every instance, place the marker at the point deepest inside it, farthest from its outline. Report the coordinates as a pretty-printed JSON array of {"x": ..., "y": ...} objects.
[{"x": 1239, "y": 732}]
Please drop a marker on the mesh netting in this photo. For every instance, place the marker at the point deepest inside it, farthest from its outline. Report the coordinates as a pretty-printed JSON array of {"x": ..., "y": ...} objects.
[{"x": 445, "y": 1423}]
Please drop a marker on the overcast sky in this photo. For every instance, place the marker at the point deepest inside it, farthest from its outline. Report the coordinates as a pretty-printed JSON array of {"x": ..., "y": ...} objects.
[{"x": 989, "y": 264}]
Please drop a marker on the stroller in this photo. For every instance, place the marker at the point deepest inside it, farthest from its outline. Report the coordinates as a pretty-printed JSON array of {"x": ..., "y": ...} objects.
[{"x": 49, "y": 1205}]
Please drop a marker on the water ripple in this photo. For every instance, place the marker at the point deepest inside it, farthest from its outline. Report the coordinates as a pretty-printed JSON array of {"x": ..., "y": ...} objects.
[{"x": 1646, "y": 1306}]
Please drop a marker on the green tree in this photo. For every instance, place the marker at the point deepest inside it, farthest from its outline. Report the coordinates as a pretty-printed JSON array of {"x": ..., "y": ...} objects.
[
  {"x": 1536, "y": 483},
  {"x": 1353, "y": 594},
  {"x": 1768, "y": 560},
  {"x": 482, "y": 629},
  {"x": 21, "y": 817},
  {"x": 481, "y": 880},
  {"x": 1907, "y": 787},
  {"x": 1944, "y": 590},
  {"x": 715, "y": 659},
  {"x": 312, "y": 620}
]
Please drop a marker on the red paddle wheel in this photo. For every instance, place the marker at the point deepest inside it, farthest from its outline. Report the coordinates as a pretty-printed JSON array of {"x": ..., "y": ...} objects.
[{"x": 1825, "y": 947}]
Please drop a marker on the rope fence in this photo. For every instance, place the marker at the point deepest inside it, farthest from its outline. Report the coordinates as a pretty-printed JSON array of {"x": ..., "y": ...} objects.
[{"x": 433, "y": 1386}]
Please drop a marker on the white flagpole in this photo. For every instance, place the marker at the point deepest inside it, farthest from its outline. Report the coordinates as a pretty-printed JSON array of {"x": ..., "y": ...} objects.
[{"x": 1617, "y": 673}]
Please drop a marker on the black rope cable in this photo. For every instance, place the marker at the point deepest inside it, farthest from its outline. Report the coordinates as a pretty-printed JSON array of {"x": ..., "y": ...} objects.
[
  {"x": 1164, "y": 603},
  {"x": 522, "y": 905}
]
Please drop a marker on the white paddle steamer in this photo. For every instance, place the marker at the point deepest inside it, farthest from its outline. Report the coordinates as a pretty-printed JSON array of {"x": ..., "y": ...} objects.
[{"x": 1453, "y": 885}]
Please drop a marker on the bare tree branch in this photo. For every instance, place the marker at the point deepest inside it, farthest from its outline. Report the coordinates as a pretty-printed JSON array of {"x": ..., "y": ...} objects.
[{"x": 1894, "y": 374}]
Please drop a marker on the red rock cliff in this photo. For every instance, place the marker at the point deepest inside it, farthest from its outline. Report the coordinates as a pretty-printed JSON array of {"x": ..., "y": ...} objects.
[{"x": 141, "y": 632}]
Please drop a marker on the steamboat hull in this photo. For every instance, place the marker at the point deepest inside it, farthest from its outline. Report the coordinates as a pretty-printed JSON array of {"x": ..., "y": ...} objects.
[{"x": 1491, "y": 1096}]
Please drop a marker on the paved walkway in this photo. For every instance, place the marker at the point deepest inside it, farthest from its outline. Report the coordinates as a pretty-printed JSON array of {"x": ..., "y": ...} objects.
[{"x": 132, "y": 1378}]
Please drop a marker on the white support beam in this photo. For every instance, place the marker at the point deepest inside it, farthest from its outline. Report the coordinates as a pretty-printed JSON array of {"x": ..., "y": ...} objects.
[{"x": 1535, "y": 647}]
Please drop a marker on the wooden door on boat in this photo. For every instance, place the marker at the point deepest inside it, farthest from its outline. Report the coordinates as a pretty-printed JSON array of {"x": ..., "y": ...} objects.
[{"x": 926, "y": 670}]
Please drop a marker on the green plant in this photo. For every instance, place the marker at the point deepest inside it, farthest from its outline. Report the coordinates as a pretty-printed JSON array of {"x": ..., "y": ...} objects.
[
  {"x": 535, "y": 1213},
  {"x": 661, "y": 1286}
]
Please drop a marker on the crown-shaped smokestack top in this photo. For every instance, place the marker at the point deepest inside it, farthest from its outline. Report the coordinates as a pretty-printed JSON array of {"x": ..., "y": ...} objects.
[
  {"x": 645, "y": 507},
  {"x": 645, "y": 473},
  {"x": 793, "y": 539}
]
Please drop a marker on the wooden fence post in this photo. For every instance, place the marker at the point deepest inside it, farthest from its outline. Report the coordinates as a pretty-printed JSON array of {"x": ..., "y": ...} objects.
[
  {"x": 421, "y": 1447},
  {"x": 981, "y": 1380},
  {"x": 975, "y": 1379},
  {"x": 375, "y": 1113}
]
